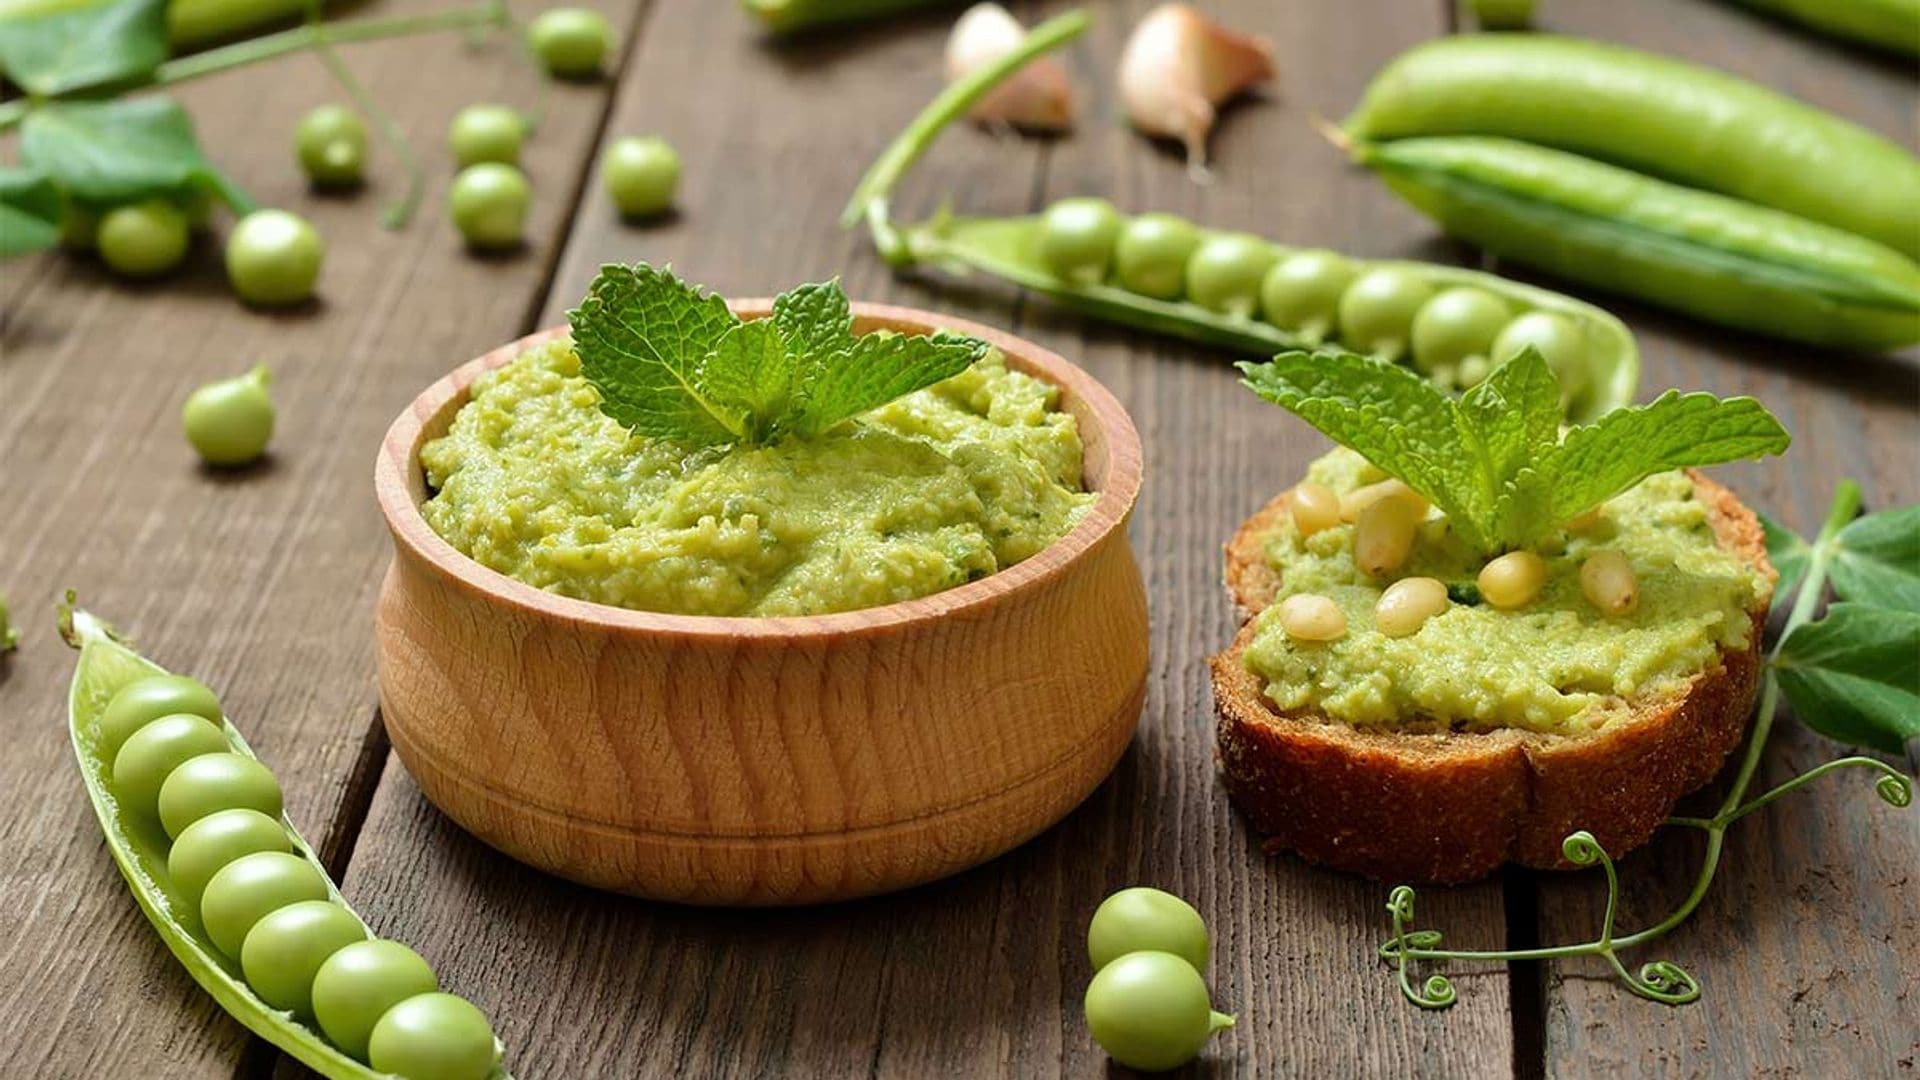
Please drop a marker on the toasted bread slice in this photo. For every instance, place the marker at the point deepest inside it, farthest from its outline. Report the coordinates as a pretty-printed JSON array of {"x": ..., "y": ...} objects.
[{"x": 1454, "y": 806}]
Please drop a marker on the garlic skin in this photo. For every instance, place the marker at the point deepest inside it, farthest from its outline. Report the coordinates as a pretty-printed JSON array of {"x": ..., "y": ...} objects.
[
  {"x": 1178, "y": 66},
  {"x": 1035, "y": 98}
]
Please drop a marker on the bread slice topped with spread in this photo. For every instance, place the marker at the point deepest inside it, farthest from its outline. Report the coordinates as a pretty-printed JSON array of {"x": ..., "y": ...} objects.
[{"x": 1471, "y": 631}]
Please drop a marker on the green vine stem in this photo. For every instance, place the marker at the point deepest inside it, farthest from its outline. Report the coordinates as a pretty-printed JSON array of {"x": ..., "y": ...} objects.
[
  {"x": 297, "y": 39},
  {"x": 1661, "y": 980}
]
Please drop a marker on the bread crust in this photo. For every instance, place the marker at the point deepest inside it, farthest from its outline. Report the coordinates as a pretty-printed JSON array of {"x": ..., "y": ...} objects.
[{"x": 1453, "y": 806}]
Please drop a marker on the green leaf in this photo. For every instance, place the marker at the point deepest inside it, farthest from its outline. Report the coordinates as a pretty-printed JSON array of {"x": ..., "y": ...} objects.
[
  {"x": 881, "y": 367},
  {"x": 30, "y": 211},
  {"x": 1878, "y": 561},
  {"x": 815, "y": 320},
  {"x": 1790, "y": 555},
  {"x": 1675, "y": 431},
  {"x": 1854, "y": 676},
  {"x": 1507, "y": 422},
  {"x": 751, "y": 377},
  {"x": 1391, "y": 416},
  {"x": 96, "y": 45},
  {"x": 642, "y": 335},
  {"x": 121, "y": 151}
]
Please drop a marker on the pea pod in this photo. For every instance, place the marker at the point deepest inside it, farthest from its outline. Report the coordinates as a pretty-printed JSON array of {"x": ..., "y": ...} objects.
[
  {"x": 190, "y": 23},
  {"x": 1693, "y": 251},
  {"x": 787, "y": 16},
  {"x": 1660, "y": 116},
  {"x": 1888, "y": 24},
  {"x": 139, "y": 846},
  {"x": 1012, "y": 250}
]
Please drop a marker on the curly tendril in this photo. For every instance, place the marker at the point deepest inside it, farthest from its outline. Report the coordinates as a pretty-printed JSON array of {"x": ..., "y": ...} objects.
[
  {"x": 1437, "y": 991},
  {"x": 1894, "y": 789},
  {"x": 1581, "y": 849}
]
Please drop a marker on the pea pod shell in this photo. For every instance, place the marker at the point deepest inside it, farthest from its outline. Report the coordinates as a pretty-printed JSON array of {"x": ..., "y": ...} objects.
[
  {"x": 1889, "y": 24},
  {"x": 1004, "y": 248},
  {"x": 139, "y": 848},
  {"x": 1704, "y": 254},
  {"x": 1661, "y": 116}
]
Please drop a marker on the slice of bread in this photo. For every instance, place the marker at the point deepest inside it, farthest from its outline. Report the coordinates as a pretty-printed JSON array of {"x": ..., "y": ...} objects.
[{"x": 1454, "y": 806}]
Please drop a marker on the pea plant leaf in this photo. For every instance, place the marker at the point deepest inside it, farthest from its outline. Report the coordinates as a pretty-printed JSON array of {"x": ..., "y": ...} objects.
[
  {"x": 121, "y": 151},
  {"x": 1790, "y": 556},
  {"x": 94, "y": 45},
  {"x": 671, "y": 361},
  {"x": 30, "y": 212},
  {"x": 1878, "y": 560},
  {"x": 1854, "y": 676},
  {"x": 1496, "y": 462}
]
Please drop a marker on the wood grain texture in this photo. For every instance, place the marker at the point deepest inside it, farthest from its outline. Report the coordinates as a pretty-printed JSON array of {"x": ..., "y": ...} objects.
[
  {"x": 1804, "y": 949},
  {"x": 757, "y": 761},
  {"x": 259, "y": 582}
]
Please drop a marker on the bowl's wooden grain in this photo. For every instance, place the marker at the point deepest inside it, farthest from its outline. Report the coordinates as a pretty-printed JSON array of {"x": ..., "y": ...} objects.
[{"x": 765, "y": 761}]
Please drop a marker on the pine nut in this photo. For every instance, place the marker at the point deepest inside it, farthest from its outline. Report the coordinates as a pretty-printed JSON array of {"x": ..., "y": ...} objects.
[
  {"x": 1513, "y": 579},
  {"x": 1607, "y": 579},
  {"x": 1383, "y": 536},
  {"x": 1360, "y": 498},
  {"x": 1407, "y": 605},
  {"x": 1314, "y": 506},
  {"x": 1584, "y": 520},
  {"x": 1309, "y": 617}
]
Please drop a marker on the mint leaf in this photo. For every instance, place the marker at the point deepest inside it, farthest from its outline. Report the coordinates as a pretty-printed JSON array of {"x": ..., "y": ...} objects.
[
  {"x": 642, "y": 335},
  {"x": 751, "y": 376},
  {"x": 1393, "y": 417},
  {"x": 1878, "y": 560},
  {"x": 1676, "y": 431},
  {"x": 815, "y": 320},
  {"x": 1508, "y": 422},
  {"x": 1854, "y": 676},
  {"x": 881, "y": 367},
  {"x": 95, "y": 45},
  {"x": 30, "y": 212},
  {"x": 110, "y": 152}
]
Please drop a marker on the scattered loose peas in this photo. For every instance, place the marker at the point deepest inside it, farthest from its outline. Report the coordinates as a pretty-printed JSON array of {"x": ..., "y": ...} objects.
[
  {"x": 640, "y": 175},
  {"x": 230, "y": 422},
  {"x": 1314, "y": 507},
  {"x": 486, "y": 133},
  {"x": 1513, "y": 580},
  {"x": 489, "y": 203},
  {"x": 1607, "y": 578},
  {"x": 570, "y": 42},
  {"x": 1383, "y": 534},
  {"x": 1150, "y": 1011},
  {"x": 143, "y": 239},
  {"x": 1310, "y": 617},
  {"x": 1406, "y": 605},
  {"x": 1141, "y": 918},
  {"x": 273, "y": 258},
  {"x": 331, "y": 145}
]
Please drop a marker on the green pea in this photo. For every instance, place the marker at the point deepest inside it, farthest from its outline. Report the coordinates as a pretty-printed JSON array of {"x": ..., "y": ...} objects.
[
  {"x": 242, "y": 892},
  {"x": 1377, "y": 310},
  {"x": 357, "y": 985},
  {"x": 331, "y": 145},
  {"x": 230, "y": 422},
  {"x": 273, "y": 258},
  {"x": 1149, "y": 1011},
  {"x": 1150, "y": 258},
  {"x": 1225, "y": 273},
  {"x": 1458, "y": 323},
  {"x": 1301, "y": 294},
  {"x": 143, "y": 701},
  {"x": 1140, "y": 919},
  {"x": 570, "y": 42},
  {"x": 211, "y": 783},
  {"x": 486, "y": 133},
  {"x": 640, "y": 175},
  {"x": 433, "y": 1036},
  {"x": 154, "y": 751},
  {"x": 143, "y": 239},
  {"x": 1077, "y": 237},
  {"x": 489, "y": 205},
  {"x": 207, "y": 845},
  {"x": 286, "y": 948},
  {"x": 1558, "y": 339}
]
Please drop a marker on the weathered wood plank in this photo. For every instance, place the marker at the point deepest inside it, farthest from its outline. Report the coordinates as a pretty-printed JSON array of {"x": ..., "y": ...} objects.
[
  {"x": 260, "y": 583},
  {"x": 1804, "y": 946},
  {"x": 981, "y": 974}
]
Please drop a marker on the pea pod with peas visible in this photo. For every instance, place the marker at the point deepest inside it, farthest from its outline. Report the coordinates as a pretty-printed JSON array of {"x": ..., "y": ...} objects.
[
  {"x": 193, "y": 821},
  {"x": 1708, "y": 255},
  {"x": 1657, "y": 115},
  {"x": 1232, "y": 290}
]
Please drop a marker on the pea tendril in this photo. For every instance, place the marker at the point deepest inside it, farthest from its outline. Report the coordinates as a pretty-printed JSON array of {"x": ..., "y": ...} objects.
[{"x": 1659, "y": 980}]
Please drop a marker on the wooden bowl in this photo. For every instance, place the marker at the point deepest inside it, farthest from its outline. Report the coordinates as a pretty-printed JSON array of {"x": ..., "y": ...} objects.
[{"x": 765, "y": 760}]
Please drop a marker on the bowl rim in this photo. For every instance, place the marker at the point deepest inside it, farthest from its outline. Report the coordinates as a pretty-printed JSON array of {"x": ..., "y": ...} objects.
[{"x": 397, "y": 472}]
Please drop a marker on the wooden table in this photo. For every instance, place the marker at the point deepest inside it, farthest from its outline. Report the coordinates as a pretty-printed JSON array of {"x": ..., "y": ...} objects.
[{"x": 262, "y": 584}]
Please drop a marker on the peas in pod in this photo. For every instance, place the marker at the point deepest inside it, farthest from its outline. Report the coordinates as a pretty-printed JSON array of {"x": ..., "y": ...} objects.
[{"x": 194, "y": 820}]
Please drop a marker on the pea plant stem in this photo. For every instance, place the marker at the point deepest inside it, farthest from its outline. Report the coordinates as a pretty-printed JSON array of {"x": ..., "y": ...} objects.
[{"x": 306, "y": 36}]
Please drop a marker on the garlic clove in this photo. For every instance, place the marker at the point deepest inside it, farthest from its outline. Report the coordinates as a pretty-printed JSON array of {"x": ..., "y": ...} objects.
[
  {"x": 1035, "y": 98},
  {"x": 1178, "y": 65}
]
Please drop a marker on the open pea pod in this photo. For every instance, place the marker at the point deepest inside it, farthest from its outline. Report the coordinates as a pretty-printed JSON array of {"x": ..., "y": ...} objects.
[
  {"x": 139, "y": 847},
  {"x": 1598, "y": 361}
]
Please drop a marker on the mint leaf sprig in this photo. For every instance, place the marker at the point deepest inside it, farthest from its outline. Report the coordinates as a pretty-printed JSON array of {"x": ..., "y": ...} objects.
[
  {"x": 671, "y": 361},
  {"x": 1495, "y": 461}
]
